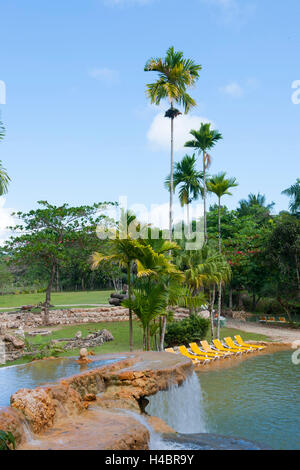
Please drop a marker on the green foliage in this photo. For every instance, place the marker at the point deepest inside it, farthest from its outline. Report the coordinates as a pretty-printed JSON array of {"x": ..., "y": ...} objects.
[
  {"x": 186, "y": 331},
  {"x": 175, "y": 75},
  {"x": 44, "y": 350},
  {"x": 187, "y": 178},
  {"x": 294, "y": 194},
  {"x": 7, "y": 441}
]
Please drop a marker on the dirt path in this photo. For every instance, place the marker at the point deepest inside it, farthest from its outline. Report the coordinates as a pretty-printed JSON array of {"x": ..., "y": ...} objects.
[{"x": 277, "y": 334}]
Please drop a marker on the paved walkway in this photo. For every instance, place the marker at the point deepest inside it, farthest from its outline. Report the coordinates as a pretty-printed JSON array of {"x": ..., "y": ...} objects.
[{"x": 277, "y": 334}]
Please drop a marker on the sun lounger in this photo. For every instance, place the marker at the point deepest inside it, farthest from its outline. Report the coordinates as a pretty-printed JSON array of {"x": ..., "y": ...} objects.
[
  {"x": 232, "y": 345},
  {"x": 240, "y": 341},
  {"x": 271, "y": 320},
  {"x": 202, "y": 359},
  {"x": 282, "y": 320},
  {"x": 263, "y": 319},
  {"x": 208, "y": 348},
  {"x": 221, "y": 347},
  {"x": 196, "y": 350}
]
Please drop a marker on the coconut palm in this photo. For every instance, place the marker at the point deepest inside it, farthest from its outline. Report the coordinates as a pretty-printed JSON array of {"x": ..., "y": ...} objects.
[
  {"x": 4, "y": 178},
  {"x": 220, "y": 185},
  {"x": 188, "y": 179},
  {"x": 294, "y": 193},
  {"x": 176, "y": 74},
  {"x": 204, "y": 139}
]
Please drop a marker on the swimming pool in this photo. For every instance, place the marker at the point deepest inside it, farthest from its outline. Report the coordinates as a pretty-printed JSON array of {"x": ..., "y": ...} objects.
[
  {"x": 257, "y": 400},
  {"x": 37, "y": 373}
]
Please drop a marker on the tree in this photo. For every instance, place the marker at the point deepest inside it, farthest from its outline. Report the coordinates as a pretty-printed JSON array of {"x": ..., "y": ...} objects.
[
  {"x": 220, "y": 185},
  {"x": 255, "y": 206},
  {"x": 4, "y": 178},
  {"x": 283, "y": 252},
  {"x": 189, "y": 181},
  {"x": 294, "y": 194},
  {"x": 176, "y": 74},
  {"x": 204, "y": 139},
  {"x": 47, "y": 236}
]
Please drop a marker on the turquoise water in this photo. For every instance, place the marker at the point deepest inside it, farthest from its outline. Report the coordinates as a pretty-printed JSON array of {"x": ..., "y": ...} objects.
[
  {"x": 37, "y": 373},
  {"x": 257, "y": 400}
]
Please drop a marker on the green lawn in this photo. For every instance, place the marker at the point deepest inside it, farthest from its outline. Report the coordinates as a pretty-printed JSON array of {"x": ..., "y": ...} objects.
[
  {"x": 120, "y": 332},
  {"x": 60, "y": 298}
]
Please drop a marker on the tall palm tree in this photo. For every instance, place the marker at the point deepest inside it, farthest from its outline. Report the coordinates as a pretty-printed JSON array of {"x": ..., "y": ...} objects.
[
  {"x": 294, "y": 193},
  {"x": 189, "y": 181},
  {"x": 175, "y": 75},
  {"x": 204, "y": 139},
  {"x": 220, "y": 185},
  {"x": 4, "y": 178}
]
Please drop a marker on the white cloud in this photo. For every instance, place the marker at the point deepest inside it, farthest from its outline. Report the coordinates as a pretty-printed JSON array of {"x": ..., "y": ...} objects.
[
  {"x": 159, "y": 132},
  {"x": 233, "y": 89},
  {"x": 236, "y": 11},
  {"x": 105, "y": 74},
  {"x": 6, "y": 220}
]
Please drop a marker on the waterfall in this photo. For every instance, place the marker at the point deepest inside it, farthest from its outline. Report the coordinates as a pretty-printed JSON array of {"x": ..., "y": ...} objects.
[{"x": 181, "y": 407}]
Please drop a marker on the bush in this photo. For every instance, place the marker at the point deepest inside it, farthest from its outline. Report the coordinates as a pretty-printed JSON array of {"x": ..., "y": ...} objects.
[{"x": 186, "y": 331}]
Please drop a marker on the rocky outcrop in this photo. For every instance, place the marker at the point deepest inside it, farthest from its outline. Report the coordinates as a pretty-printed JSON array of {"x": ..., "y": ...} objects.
[
  {"x": 122, "y": 385},
  {"x": 12, "y": 347},
  {"x": 91, "y": 341}
]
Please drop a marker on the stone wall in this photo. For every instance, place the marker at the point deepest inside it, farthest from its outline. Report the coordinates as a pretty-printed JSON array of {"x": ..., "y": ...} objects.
[{"x": 27, "y": 320}]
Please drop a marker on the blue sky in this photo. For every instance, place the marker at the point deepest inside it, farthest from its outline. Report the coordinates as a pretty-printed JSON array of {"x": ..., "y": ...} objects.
[{"x": 79, "y": 128}]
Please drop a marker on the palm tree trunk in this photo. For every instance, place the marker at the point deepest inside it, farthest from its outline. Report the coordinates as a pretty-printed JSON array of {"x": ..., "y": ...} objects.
[
  {"x": 219, "y": 309},
  {"x": 163, "y": 332},
  {"x": 130, "y": 311},
  {"x": 204, "y": 195},
  {"x": 219, "y": 224},
  {"x": 188, "y": 218},
  {"x": 171, "y": 178},
  {"x": 212, "y": 312},
  {"x": 230, "y": 298},
  {"x": 220, "y": 284}
]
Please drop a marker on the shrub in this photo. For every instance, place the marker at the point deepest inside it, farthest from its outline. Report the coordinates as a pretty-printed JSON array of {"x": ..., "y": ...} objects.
[
  {"x": 7, "y": 441},
  {"x": 186, "y": 331}
]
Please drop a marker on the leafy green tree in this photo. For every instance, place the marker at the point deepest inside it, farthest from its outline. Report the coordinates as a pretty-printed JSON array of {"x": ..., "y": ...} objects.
[
  {"x": 294, "y": 194},
  {"x": 188, "y": 179},
  {"x": 175, "y": 75},
  {"x": 5, "y": 276},
  {"x": 283, "y": 252},
  {"x": 204, "y": 139},
  {"x": 4, "y": 178},
  {"x": 255, "y": 206},
  {"x": 47, "y": 236}
]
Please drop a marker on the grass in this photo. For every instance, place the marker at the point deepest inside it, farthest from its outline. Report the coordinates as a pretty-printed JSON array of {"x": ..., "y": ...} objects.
[
  {"x": 120, "y": 332},
  {"x": 57, "y": 298}
]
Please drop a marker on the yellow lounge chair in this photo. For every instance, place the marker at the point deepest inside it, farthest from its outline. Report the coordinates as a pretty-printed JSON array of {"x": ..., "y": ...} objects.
[
  {"x": 240, "y": 341},
  {"x": 220, "y": 347},
  {"x": 282, "y": 320},
  {"x": 196, "y": 350},
  {"x": 263, "y": 319},
  {"x": 232, "y": 345},
  {"x": 207, "y": 348},
  {"x": 202, "y": 359},
  {"x": 271, "y": 320}
]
